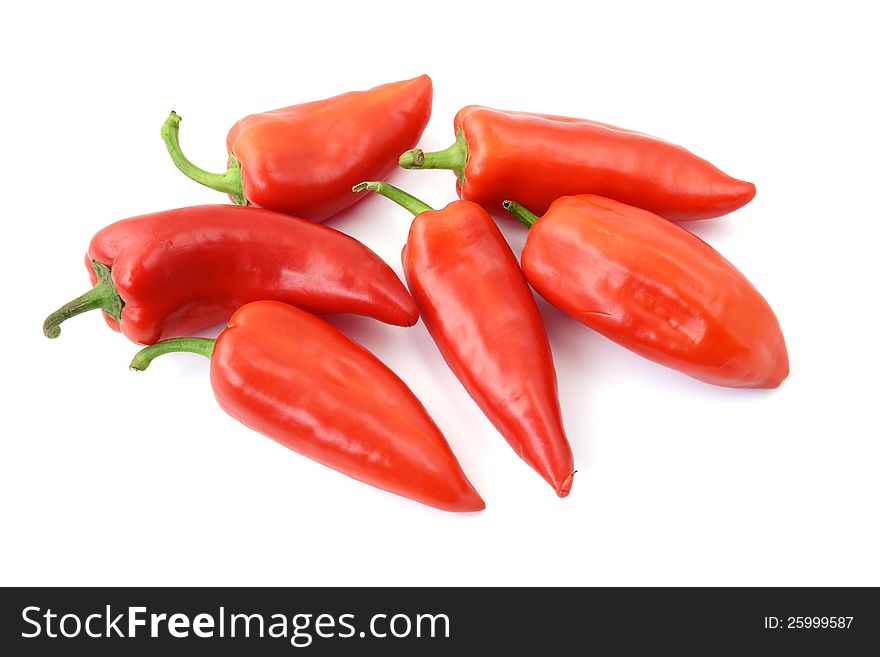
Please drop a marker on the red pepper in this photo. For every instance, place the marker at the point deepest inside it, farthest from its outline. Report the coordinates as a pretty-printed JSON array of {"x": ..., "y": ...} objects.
[
  {"x": 477, "y": 306},
  {"x": 175, "y": 272},
  {"x": 536, "y": 158},
  {"x": 293, "y": 377},
  {"x": 654, "y": 288},
  {"x": 303, "y": 159}
]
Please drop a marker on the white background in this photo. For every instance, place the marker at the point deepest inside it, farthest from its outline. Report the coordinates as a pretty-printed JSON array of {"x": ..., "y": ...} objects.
[{"x": 111, "y": 477}]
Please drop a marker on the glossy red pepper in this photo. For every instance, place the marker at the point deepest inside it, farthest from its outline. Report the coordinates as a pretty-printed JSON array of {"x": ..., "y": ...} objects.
[
  {"x": 481, "y": 314},
  {"x": 175, "y": 272},
  {"x": 536, "y": 158},
  {"x": 296, "y": 379},
  {"x": 303, "y": 159},
  {"x": 654, "y": 288}
]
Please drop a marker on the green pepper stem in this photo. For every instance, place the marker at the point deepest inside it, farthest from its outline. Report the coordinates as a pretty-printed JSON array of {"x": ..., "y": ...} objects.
[
  {"x": 143, "y": 358},
  {"x": 103, "y": 296},
  {"x": 404, "y": 200},
  {"x": 521, "y": 214},
  {"x": 228, "y": 182},
  {"x": 453, "y": 158}
]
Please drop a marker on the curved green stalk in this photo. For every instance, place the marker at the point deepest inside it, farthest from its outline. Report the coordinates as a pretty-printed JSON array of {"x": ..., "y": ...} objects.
[
  {"x": 453, "y": 158},
  {"x": 143, "y": 358},
  {"x": 228, "y": 182},
  {"x": 521, "y": 214},
  {"x": 103, "y": 296},
  {"x": 404, "y": 200}
]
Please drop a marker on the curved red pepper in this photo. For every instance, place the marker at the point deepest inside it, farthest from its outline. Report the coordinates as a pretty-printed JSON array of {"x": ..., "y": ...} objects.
[
  {"x": 537, "y": 158},
  {"x": 293, "y": 377},
  {"x": 481, "y": 314},
  {"x": 654, "y": 288},
  {"x": 304, "y": 159},
  {"x": 175, "y": 272}
]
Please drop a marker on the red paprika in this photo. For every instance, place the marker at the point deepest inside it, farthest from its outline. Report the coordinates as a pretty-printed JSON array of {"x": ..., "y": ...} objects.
[
  {"x": 303, "y": 159},
  {"x": 536, "y": 158},
  {"x": 296, "y": 379},
  {"x": 654, "y": 288},
  {"x": 481, "y": 314},
  {"x": 175, "y": 272}
]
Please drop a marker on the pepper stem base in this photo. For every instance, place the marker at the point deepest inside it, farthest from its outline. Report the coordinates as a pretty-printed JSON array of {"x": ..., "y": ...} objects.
[
  {"x": 103, "y": 296},
  {"x": 228, "y": 182},
  {"x": 521, "y": 214},
  {"x": 143, "y": 358},
  {"x": 453, "y": 158},
  {"x": 404, "y": 200}
]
